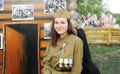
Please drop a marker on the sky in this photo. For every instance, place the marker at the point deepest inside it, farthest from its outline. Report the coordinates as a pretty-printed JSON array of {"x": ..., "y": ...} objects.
[{"x": 114, "y": 6}]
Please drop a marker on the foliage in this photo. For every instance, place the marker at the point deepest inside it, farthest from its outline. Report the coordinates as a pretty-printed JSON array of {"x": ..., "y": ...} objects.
[
  {"x": 117, "y": 16},
  {"x": 89, "y": 6},
  {"x": 106, "y": 58}
]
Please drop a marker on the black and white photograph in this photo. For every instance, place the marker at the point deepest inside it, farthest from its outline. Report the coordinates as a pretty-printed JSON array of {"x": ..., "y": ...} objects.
[
  {"x": 51, "y": 6},
  {"x": 47, "y": 29},
  {"x": 1, "y": 41},
  {"x": 23, "y": 12},
  {"x": 1, "y": 5}
]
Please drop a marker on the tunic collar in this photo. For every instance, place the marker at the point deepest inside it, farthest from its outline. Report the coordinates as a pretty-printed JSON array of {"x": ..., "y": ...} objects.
[{"x": 66, "y": 36}]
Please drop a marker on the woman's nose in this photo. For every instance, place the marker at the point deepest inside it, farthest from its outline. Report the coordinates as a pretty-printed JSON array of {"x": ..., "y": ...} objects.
[{"x": 59, "y": 25}]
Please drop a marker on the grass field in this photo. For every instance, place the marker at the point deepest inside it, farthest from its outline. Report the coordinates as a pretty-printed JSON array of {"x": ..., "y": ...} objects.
[{"x": 107, "y": 58}]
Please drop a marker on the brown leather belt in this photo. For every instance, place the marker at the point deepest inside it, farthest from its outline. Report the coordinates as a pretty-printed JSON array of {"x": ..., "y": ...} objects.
[{"x": 62, "y": 69}]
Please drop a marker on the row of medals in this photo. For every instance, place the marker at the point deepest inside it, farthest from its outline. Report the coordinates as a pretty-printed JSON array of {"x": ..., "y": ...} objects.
[{"x": 65, "y": 62}]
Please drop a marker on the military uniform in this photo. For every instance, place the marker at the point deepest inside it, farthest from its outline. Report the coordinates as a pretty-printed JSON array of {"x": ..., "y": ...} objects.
[{"x": 68, "y": 55}]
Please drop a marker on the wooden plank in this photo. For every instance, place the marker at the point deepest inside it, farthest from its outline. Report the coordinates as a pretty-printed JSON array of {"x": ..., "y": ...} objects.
[
  {"x": 96, "y": 29},
  {"x": 117, "y": 33},
  {"x": 36, "y": 14},
  {"x": 42, "y": 14},
  {"x": 5, "y": 16},
  {"x": 115, "y": 42},
  {"x": 37, "y": 6},
  {"x": 43, "y": 44},
  {"x": 97, "y": 33},
  {"x": 42, "y": 63},
  {"x": 97, "y": 42},
  {"x": 116, "y": 29},
  {"x": 42, "y": 34},
  {"x": 42, "y": 52},
  {"x": 115, "y": 37},
  {"x": 96, "y": 38},
  {"x": 40, "y": 22}
]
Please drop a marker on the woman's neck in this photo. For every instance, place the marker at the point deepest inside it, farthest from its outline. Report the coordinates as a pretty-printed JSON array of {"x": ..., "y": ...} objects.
[{"x": 63, "y": 35}]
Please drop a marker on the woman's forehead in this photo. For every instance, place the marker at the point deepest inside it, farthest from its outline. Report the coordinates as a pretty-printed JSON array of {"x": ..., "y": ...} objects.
[{"x": 60, "y": 18}]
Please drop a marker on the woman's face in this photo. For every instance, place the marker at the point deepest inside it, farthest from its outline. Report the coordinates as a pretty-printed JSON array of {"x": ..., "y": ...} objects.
[{"x": 61, "y": 26}]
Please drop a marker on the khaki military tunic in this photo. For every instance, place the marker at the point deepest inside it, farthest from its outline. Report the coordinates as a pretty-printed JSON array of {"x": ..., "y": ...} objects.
[{"x": 73, "y": 50}]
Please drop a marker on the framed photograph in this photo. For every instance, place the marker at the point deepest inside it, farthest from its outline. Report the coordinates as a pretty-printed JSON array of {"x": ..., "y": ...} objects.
[
  {"x": 23, "y": 12},
  {"x": 1, "y": 5},
  {"x": 51, "y": 6},
  {"x": 47, "y": 29},
  {"x": 1, "y": 41}
]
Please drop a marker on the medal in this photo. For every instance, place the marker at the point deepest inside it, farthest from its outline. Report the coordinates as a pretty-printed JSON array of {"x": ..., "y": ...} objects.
[
  {"x": 70, "y": 62},
  {"x": 66, "y": 62},
  {"x": 60, "y": 62},
  {"x": 60, "y": 65}
]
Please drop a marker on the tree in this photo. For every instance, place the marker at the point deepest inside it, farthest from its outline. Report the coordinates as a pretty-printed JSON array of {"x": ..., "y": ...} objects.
[{"x": 90, "y": 6}]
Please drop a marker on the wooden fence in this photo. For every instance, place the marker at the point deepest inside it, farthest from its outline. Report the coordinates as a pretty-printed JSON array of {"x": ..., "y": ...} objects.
[{"x": 106, "y": 36}]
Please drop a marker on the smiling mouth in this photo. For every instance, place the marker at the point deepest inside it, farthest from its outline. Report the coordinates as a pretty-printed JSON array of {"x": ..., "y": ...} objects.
[{"x": 59, "y": 29}]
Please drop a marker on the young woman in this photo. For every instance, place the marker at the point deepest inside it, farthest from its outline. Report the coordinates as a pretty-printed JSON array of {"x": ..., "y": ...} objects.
[{"x": 64, "y": 53}]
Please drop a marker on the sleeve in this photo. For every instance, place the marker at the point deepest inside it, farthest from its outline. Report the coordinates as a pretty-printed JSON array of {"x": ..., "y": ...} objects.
[
  {"x": 77, "y": 57},
  {"x": 46, "y": 60}
]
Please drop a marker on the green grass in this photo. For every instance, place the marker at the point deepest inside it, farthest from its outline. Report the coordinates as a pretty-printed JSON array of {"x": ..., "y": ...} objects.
[{"x": 107, "y": 58}]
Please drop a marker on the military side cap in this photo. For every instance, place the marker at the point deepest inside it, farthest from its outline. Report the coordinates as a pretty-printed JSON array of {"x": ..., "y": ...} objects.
[{"x": 62, "y": 13}]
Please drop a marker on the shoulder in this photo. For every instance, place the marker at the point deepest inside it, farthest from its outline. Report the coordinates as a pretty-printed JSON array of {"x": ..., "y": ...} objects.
[{"x": 76, "y": 38}]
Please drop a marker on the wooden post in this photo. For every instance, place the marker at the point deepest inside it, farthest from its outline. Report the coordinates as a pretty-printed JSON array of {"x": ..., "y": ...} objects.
[{"x": 109, "y": 36}]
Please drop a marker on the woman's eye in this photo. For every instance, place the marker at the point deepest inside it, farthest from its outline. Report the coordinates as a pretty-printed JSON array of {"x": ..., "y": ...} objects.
[
  {"x": 56, "y": 22},
  {"x": 62, "y": 22}
]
